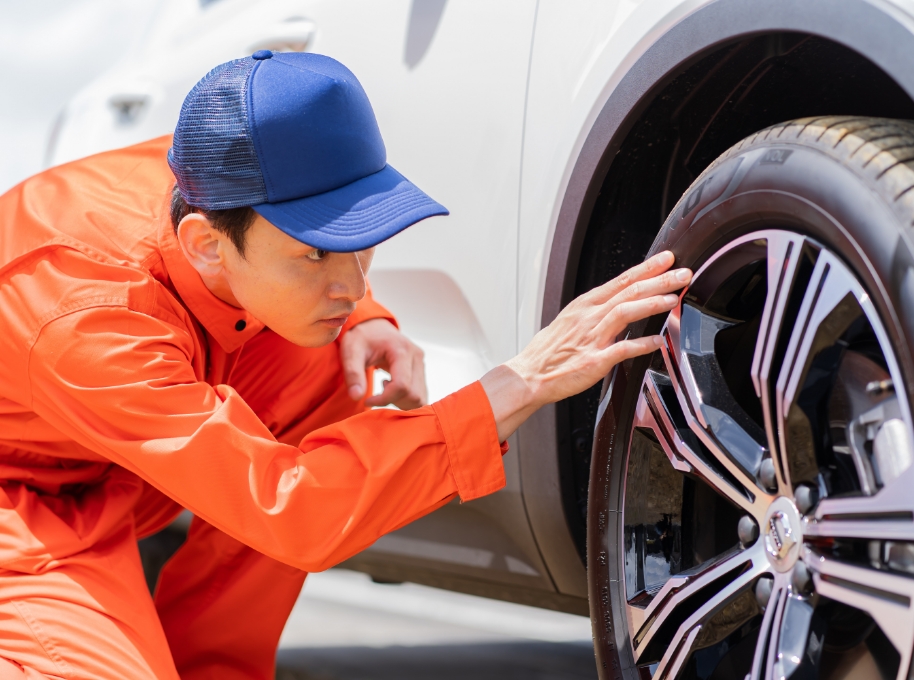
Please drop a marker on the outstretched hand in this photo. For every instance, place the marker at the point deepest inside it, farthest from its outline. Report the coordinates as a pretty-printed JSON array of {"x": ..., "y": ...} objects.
[
  {"x": 579, "y": 347},
  {"x": 379, "y": 343}
]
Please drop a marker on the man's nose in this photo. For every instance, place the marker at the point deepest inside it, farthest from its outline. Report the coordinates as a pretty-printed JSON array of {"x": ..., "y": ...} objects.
[{"x": 349, "y": 282}]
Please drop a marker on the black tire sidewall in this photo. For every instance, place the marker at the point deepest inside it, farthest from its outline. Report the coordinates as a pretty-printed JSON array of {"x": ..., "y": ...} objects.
[{"x": 808, "y": 191}]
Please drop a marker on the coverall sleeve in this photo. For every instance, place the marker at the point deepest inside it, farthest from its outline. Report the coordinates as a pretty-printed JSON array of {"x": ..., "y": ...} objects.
[{"x": 121, "y": 383}]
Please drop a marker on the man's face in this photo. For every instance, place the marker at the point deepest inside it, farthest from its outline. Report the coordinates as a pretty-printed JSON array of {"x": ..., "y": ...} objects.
[{"x": 303, "y": 294}]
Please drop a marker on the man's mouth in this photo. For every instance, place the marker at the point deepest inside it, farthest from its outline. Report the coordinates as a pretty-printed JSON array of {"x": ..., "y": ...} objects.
[{"x": 335, "y": 321}]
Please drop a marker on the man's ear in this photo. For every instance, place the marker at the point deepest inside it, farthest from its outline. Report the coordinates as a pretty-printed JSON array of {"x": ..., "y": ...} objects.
[{"x": 201, "y": 244}]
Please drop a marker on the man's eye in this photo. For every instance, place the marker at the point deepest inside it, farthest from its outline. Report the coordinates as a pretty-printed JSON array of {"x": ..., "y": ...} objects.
[{"x": 317, "y": 254}]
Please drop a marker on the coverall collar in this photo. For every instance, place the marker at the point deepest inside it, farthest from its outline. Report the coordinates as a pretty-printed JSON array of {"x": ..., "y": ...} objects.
[{"x": 220, "y": 319}]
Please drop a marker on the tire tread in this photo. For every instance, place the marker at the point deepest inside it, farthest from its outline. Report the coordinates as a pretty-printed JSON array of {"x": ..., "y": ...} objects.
[{"x": 880, "y": 150}]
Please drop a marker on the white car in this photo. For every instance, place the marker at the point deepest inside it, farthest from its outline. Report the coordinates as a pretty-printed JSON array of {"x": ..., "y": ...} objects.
[{"x": 739, "y": 504}]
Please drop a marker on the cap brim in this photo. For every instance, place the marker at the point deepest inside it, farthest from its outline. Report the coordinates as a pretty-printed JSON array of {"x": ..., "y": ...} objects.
[{"x": 356, "y": 216}]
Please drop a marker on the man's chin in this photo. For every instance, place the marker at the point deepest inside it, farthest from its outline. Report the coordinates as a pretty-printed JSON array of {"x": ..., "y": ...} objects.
[{"x": 313, "y": 337}]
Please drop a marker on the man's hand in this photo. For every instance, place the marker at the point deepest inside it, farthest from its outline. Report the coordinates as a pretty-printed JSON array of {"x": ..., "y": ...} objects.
[
  {"x": 377, "y": 342},
  {"x": 580, "y": 347}
]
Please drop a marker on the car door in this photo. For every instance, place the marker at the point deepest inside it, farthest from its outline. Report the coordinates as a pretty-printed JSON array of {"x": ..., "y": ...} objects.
[{"x": 447, "y": 80}]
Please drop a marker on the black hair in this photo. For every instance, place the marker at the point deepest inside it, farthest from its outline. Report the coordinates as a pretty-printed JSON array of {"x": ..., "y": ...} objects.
[{"x": 233, "y": 222}]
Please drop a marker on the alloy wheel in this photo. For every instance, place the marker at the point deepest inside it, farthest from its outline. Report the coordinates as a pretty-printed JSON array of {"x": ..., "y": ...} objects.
[{"x": 767, "y": 512}]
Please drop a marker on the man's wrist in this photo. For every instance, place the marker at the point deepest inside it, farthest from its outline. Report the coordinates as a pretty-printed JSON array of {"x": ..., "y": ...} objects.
[
  {"x": 529, "y": 397},
  {"x": 512, "y": 396}
]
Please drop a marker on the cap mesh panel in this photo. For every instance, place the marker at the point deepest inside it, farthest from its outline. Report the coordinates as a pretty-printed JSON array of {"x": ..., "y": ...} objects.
[{"x": 212, "y": 154}]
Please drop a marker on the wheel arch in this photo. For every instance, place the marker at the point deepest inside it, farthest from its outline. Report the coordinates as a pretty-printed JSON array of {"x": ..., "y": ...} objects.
[{"x": 639, "y": 127}]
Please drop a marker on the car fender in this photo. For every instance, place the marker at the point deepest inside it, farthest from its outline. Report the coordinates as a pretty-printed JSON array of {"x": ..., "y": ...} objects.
[{"x": 573, "y": 129}]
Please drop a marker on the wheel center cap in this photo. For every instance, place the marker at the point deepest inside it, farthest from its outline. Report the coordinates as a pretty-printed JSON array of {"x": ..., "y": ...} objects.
[{"x": 783, "y": 534}]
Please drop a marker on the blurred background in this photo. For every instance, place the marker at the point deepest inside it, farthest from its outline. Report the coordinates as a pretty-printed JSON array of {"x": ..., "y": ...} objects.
[
  {"x": 344, "y": 627},
  {"x": 51, "y": 49}
]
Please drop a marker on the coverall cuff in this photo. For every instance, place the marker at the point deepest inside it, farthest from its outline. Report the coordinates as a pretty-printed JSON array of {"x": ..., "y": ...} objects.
[
  {"x": 471, "y": 437},
  {"x": 368, "y": 308}
]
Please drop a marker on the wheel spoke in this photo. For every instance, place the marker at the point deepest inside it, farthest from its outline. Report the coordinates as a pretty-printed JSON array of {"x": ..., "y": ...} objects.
[
  {"x": 732, "y": 606},
  {"x": 704, "y": 389},
  {"x": 770, "y": 630},
  {"x": 720, "y": 469},
  {"x": 672, "y": 664},
  {"x": 691, "y": 599},
  {"x": 651, "y": 413},
  {"x": 887, "y": 598},
  {"x": 785, "y": 254},
  {"x": 888, "y": 516},
  {"x": 660, "y": 411},
  {"x": 798, "y": 644},
  {"x": 832, "y": 301}
]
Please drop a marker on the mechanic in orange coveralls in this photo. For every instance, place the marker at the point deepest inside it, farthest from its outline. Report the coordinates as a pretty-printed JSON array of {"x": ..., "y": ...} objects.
[{"x": 204, "y": 345}]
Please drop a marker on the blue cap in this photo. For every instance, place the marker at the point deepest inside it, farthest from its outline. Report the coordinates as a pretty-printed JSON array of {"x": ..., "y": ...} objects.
[{"x": 293, "y": 136}]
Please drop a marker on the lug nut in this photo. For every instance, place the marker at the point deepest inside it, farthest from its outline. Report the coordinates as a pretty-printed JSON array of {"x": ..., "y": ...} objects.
[
  {"x": 767, "y": 475},
  {"x": 801, "y": 579},
  {"x": 806, "y": 497},
  {"x": 763, "y": 591},
  {"x": 879, "y": 387},
  {"x": 747, "y": 530}
]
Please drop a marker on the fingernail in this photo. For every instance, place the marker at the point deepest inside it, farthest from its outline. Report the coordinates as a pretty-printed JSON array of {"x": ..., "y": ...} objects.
[
  {"x": 356, "y": 392},
  {"x": 657, "y": 341},
  {"x": 671, "y": 300},
  {"x": 683, "y": 275}
]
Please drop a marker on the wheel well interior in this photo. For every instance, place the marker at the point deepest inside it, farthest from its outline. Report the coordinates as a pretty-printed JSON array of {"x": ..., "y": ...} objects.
[{"x": 700, "y": 110}]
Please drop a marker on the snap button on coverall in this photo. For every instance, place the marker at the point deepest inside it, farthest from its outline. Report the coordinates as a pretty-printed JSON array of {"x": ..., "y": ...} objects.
[{"x": 128, "y": 391}]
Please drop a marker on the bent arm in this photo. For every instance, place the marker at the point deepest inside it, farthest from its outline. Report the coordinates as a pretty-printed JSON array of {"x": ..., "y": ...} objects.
[{"x": 121, "y": 383}]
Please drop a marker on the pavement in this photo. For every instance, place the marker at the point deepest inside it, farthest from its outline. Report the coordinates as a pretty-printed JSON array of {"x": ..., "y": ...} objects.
[{"x": 345, "y": 627}]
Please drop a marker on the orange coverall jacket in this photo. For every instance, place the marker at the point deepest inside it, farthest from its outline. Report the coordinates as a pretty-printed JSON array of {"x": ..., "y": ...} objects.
[{"x": 128, "y": 391}]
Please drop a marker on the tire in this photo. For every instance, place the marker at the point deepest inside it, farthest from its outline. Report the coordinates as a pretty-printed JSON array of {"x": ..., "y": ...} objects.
[{"x": 749, "y": 513}]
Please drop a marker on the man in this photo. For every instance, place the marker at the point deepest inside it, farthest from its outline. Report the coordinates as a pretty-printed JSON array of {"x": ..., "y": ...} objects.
[{"x": 170, "y": 346}]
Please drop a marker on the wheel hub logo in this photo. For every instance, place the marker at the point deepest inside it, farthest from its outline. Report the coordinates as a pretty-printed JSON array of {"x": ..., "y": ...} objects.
[{"x": 780, "y": 537}]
